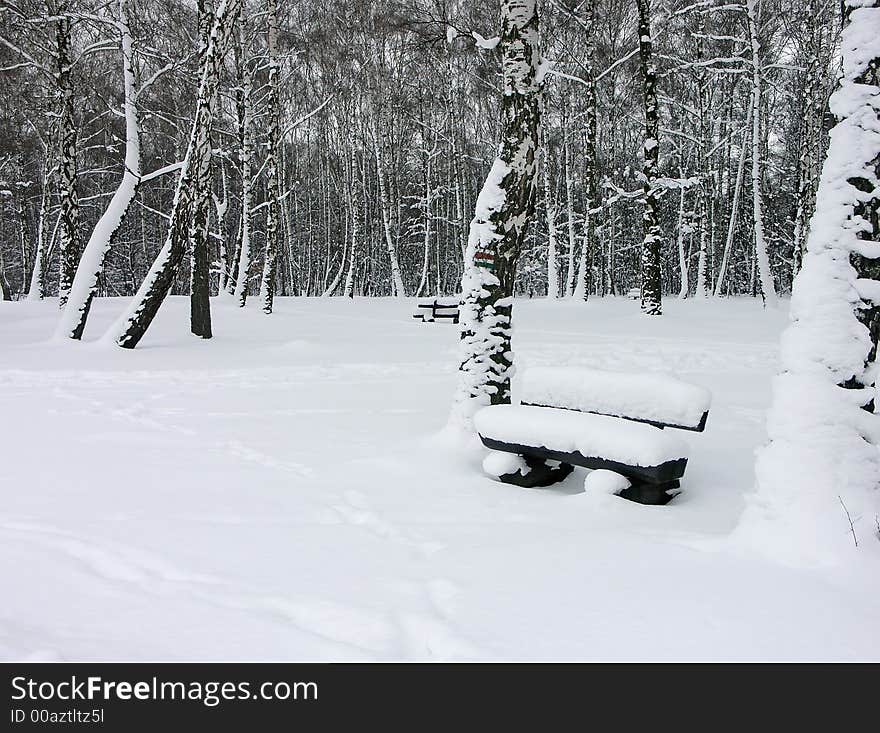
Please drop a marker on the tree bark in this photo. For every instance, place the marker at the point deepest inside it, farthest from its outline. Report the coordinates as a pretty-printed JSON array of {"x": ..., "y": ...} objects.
[
  {"x": 651, "y": 285},
  {"x": 133, "y": 324},
  {"x": 503, "y": 212}
]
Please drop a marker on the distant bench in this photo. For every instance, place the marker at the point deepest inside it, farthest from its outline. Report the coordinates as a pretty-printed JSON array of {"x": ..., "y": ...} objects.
[
  {"x": 429, "y": 310},
  {"x": 596, "y": 419}
]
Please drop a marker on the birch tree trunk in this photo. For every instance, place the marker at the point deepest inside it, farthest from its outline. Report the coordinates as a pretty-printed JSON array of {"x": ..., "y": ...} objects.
[
  {"x": 591, "y": 202},
  {"x": 68, "y": 235},
  {"x": 734, "y": 210},
  {"x": 682, "y": 255},
  {"x": 397, "y": 288},
  {"x": 133, "y": 324},
  {"x": 550, "y": 209},
  {"x": 199, "y": 280},
  {"x": 85, "y": 282},
  {"x": 221, "y": 206},
  {"x": 503, "y": 211},
  {"x": 651, "y": 285},
  {"x": 267, "y": 283},
  {"x": 37, "y": 289},
  {"x": 245, "y": 135},
  {"x": 768, "y": 289}
]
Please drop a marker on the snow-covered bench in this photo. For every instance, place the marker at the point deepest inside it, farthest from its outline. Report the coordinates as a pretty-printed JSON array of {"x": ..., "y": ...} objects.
[
  {"x": 430, "y": 310},
  {"x": 572, "y": 416}
]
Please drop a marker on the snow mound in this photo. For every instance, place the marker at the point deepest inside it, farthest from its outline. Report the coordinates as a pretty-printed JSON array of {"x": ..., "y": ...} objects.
[
  {"x": 634, "y": 444},
  {"x": 602, "y": 481},
  {"x": 498, "y": 464},
  {"x": 658, "y": 397}
]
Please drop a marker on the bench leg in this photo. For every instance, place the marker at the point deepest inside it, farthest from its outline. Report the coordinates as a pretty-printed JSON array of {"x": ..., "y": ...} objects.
[
  {"x": 653, "y": 494},
  {"x": 525, "y": 471}
]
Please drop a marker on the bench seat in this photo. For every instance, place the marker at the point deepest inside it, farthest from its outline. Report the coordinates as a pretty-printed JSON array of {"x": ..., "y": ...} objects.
[
  {"x": 656, "y": 399},
  {"x": 633, "y": 449}
]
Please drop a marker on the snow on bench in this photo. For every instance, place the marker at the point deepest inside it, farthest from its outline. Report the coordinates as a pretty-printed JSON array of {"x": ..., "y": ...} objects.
[
  {"x": 429, "y": 310},
  {"x": 582, "y": 439},
  {"x": 604, "y": 421},
  {"x": 657, "y": 399}
]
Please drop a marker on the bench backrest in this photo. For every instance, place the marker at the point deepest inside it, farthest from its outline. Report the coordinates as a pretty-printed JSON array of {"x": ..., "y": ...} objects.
[{"x": 657, "y": 399}]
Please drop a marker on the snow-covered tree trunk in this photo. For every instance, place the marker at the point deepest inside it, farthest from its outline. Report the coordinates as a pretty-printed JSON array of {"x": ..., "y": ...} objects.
[
  {"x": 273, "y": 189},
  {"x": 355, "y": 213},
  {"x": 397, "y": 288},
  {"x": 768, "y": 289},
  {"x": 221, "y": 206},
  {"x": 429, "y": 215},
  {"x": 37, "y": 289},
  {"x": 503, "y": 210},
  {"x": 650, "y": 261},
  {"x": 199, "y": 274},
  {"x": 68, "y": 235},
  {"x": 85, "y": 283},
  {"x": 591, "y": 200},
  {"x": 570, "y": 271},
  {"x": 734, "y": 211},
  {"x": 818, "y": 480},
  {"x": 682, "y": 254},
  {"x": 246, "y": 152},
  {"x": 550, "y": 210},
  {"x": 133, "y": 324}
]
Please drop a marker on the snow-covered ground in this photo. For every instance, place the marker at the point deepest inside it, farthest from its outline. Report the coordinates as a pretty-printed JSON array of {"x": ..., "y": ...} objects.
[{"x": 281, "y": 492}]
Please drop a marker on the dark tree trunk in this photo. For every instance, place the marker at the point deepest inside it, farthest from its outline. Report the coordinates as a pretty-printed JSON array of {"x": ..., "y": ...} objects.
[
  {"x": 68, "y": 235},
  {"x": 200, "y": 301},
  {"x": 651, "y": 285}
]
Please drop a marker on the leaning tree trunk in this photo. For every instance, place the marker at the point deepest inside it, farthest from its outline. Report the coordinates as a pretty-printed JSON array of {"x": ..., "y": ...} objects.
[
  {"x": 651, "y": 285},
  {"x": 768, "y": 289},
  {"x": 133, "y": 324},
  {"x": 85, "y": 283},
  {"x": 267, "y": 282},
  {"x": 822, "y": 464},
  {"x": 503, "y": 212},
  {"x": 68, "y": 235},
  {"x": 199, "y": 274}
]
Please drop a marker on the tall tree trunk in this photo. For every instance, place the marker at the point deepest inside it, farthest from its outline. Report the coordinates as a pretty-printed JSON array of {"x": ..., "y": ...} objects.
[
  {"x": 768, "y": 289},
  {"x": 85, "y": 283},
  {"x": 651, "y": 285},
  {"x": 37, "y": 289},
  {"x": 68, "y": 236},
  {"x": 133, "y": 324},
  {"x": 682, "y": 255},
  {"x": 397, "y": 288},
  {"x": 273, "y": 190},
  {"x": 503, "y": 212},
  {"x": 734, "y": 210},
  {"x": 550, "y": 210},
  {"x": 591, "y": 173},
  {"x": 199, "y": 275},
  {"x": 246, "y": 151}
]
